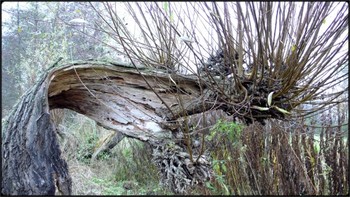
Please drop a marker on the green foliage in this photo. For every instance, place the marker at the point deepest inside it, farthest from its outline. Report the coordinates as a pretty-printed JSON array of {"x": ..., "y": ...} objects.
[
  {"x": 130, "y": 160},
  {"x": 220, "y": 170},
  {"x": 134, "y": 162},
  {"x": 230, "y": 130},
  {"x": 80, "y": 137},
  {"x": 109, "y": 187},
  {"x": 105, "y": 155},
  {"x": 86, "y": 148},
  {"x": 225, "y": 139},
  {"x": 223, "y": 187}
]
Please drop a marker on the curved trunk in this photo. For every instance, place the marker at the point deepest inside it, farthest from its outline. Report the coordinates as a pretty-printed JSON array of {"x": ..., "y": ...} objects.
[
  {"x": 150, "y": 105},
  {"x": 116, "y": 96},
  {"x": 31, "y": 162}
]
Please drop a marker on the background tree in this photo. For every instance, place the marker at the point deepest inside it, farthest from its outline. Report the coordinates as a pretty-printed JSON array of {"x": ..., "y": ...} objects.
[{"x": 37, "y": 34}]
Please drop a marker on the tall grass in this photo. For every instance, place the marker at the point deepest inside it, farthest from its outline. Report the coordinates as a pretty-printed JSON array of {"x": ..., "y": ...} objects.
[{"x": 277, "y": 159}]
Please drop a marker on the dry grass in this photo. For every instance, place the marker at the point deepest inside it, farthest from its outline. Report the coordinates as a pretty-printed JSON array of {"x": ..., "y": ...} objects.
[
  {"x": 279, "y": 160},
  {"x": 82, "y": 176}
]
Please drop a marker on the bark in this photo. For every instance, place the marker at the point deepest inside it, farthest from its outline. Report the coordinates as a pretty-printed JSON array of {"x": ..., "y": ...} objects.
[
  {"x": 116, "y": 96},
  {"x": 31, "y": 162}
]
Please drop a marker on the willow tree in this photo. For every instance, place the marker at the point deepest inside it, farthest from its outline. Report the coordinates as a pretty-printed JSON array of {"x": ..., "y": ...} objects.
[
  {"x": 252, "y": 61},
  {"x": 189, "y": 65}
]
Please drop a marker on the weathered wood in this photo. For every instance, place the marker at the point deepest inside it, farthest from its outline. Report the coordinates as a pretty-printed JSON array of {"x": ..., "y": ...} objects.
[
  {"x": 147, "y": 104},
  {"x": 119, "y": 98},
  {"x": 114, "y": 95}
]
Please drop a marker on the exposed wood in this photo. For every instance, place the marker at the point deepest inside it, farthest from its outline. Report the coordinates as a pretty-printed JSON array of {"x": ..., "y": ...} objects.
[
  {"x": 115, "y": 96},
  {"x": 147, "y": 104},
  {"x": 118, "y": 97}
]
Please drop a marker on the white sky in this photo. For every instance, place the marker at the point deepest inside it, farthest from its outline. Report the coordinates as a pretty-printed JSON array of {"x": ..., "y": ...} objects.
[{"x": 10, "y": 4}]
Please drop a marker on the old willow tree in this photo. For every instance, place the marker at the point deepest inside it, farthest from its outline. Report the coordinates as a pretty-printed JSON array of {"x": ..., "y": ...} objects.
[{"x": 189, "y": 64}]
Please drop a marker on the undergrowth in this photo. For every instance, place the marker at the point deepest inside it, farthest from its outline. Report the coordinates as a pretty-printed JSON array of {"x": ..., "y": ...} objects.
[
  {"x": 128, "y": 163},
  {"x": 279, "y": 158}
]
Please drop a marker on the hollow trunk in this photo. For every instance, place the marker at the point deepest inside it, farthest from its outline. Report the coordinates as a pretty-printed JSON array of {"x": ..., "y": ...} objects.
[{"x": 117, "y": 96}]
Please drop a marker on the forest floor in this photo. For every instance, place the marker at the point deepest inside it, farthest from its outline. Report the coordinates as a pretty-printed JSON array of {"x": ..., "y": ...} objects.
[
  {"x": 126, "y": 170},
  {"x": 98, "y": 178}
]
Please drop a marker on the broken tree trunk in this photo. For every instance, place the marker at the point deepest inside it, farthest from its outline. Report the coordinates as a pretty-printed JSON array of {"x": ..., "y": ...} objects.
[{"x": 133, "y": 101}]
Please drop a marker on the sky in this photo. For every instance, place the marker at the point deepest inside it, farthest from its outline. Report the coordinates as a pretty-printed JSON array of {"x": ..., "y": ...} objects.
[
  {"x": 6, "y": 16},
  {"x": 9, "y": 4}
]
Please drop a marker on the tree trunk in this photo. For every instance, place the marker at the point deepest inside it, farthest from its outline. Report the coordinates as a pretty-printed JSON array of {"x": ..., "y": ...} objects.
[
  {"x": 31, "y": 162},
  {"x": 117, "y": 96}
]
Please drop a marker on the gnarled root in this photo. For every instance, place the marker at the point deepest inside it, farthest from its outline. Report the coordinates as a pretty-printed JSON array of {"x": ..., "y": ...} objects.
[{"x": 178, "y": 172}]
